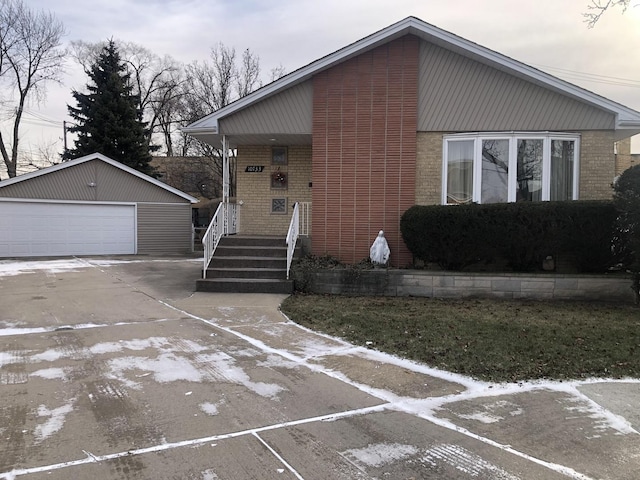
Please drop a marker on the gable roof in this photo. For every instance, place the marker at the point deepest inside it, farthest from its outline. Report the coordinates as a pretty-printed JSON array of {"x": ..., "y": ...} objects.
[
  {"x": 626, "y": 118},
  {"x": 96, "y": 156}
]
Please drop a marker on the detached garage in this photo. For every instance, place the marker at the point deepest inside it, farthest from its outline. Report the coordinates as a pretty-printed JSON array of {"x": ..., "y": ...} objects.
[{"x": 92, "y": 206}]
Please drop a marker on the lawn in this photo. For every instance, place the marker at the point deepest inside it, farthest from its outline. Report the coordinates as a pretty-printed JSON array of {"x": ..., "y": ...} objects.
[{"x": 486, "y": 339}]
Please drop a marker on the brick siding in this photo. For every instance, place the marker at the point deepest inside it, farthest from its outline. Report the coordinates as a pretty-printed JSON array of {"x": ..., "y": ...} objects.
[
  {"x": 624, "y": 158},
  {"x": 364, "y": 151},
  {"x": 254, "y": 189},
  {"x": 597, "y": 165},
  {"x": 429, "y": 168}
]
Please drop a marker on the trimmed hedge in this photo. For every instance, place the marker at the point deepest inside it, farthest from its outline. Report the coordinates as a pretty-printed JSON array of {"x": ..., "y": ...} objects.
[
  {"x": 523, "y": 234},
  {"x": 627, "y": 200}
]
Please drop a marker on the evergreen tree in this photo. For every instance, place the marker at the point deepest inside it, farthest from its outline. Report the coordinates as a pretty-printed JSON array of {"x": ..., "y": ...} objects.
[{"x": 107, "y": 119}]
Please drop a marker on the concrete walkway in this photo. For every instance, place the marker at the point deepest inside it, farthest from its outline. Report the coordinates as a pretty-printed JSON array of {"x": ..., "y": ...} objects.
[{"x": 118, "y": 370}]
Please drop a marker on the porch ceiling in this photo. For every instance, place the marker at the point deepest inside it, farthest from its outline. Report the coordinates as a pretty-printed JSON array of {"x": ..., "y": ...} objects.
[{"x": 255, "y": 139}]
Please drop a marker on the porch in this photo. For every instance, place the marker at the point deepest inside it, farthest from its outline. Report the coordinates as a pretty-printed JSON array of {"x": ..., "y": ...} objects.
[{"x": 234, "y": 262}]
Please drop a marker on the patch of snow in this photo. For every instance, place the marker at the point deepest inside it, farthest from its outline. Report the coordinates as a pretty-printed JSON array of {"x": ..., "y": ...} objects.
[
  {"x": 108, "y": 263},
  {"x": 209, "y": 475},
  {"x": 246, "y": 352},
  {"x": 482, "y": 417},
  {"x": 6, "y": 332},
  {"x": 490, "y": 414},
  {"x": 278, "y": 361},
  {"x": 55, "y": 421},
  {"x": 49, "y": 355},
  {"x": 603, "y": 418},
  {"x": 51, "y": 373},
  {"x": 161, "y": 343},
  {"x": 379, "y": 454},
  {"x": 98, "y": 262},
  {"x": 135, "y": 345},
  {"x": 465, "y": 461},
  {"x": 167, "y": 367},
  {"x": 223, "y": 367},
  {"x": 227, "y": 310},
  {"x": 318, "y": 348},
  {"x": 7, "y": 357},
  {"x": 209, "y": 408},
  {"x": 68, "y": 265},
  {"x": 7, "y": 324},
  {"x": 106, "y": 347},
  {"x": 13, "y": 267}
]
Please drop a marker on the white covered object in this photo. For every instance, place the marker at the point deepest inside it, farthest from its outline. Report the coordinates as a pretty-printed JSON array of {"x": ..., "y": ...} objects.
[{"x": 379, "y": 252}]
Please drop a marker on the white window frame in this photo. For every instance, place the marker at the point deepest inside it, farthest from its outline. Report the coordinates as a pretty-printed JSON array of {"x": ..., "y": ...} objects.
[{"x": 512, "y": 137}]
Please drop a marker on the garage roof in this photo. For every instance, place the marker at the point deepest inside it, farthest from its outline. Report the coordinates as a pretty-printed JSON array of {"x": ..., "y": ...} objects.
[{"x": 103, "y": 158}]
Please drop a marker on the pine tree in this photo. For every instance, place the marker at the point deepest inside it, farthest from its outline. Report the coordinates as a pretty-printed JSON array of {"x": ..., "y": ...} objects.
[{"x": 107, "y": 119}]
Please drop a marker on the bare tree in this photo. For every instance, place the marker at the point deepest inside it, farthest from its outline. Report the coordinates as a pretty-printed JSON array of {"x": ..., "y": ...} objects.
[
  {"x": 30, "y": 56},
  {"x": 36, "y": 158},
  {"x": 247, "y": 77},
  {"x": 211, "y": 83},
  {"x": 210, "y": 86},
  {"x": 156, "y": 80},
  {"x": 597, "y": 8},
  {"x": 277, "y": 72}
]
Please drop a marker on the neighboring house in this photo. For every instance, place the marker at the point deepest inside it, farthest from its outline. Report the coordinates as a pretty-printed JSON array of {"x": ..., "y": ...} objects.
[
  {"x": 411, "y": 115},
  {"x": 92, "y": 205},
  {"x": 624, "y": 158},
  {"x": 196, "y": 176}
]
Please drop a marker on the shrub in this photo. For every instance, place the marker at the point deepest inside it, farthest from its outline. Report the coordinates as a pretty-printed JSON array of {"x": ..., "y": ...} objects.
[
  {"x": 588, "y": 232},
  {"x": 448, "y": 236},
  {"x": 627, "y": 200},
  {"x": 523, "y": 234}
]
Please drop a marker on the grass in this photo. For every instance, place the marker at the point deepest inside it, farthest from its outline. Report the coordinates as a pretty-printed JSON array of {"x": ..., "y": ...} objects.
[{"x": 487, "y": 339}]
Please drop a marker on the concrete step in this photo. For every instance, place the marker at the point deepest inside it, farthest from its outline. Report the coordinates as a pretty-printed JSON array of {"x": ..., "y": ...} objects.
[
  {"x": 250, "y": 251},
  {"x": 243, "y": 285},
  {"x": 257, "y": 273},
  {"x": 248, "y": 262},
  {"x": 248, "y": 241}
]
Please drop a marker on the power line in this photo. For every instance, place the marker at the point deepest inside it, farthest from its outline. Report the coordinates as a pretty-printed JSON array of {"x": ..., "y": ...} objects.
[
  {"x": 41, "y": 123},
  {"x": 42, "y": 118},
  {"x": 593, "y": 77}
]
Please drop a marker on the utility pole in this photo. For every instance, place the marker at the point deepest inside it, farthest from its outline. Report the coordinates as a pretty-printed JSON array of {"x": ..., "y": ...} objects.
[{"x": 64, "y": 135}]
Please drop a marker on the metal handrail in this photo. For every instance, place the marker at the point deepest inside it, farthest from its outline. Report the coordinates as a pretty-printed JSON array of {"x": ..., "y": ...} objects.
[
  {"x": 292, "y": 236},
  {"x": 224, "y": 222},
  {"x": 305, "y": 218}
]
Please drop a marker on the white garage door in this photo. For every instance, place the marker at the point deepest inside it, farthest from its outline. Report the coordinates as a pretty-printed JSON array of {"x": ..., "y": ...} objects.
[{"x": 58, "y": 229}]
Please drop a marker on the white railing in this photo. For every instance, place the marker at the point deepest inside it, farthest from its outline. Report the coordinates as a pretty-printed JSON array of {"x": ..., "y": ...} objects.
[
  {"x": 292, "y": 235},
  {"x": 224, "y": 222},
  {"x": 298, "y": 227},
  {"x": 305, "y": 218}
]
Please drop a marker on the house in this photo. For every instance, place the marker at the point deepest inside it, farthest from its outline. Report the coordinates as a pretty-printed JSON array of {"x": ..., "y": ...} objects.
[
  {"x": 92, "y": 205},
  {"x": 196, "y": 176},
  {"x": 411, "y": 114}
]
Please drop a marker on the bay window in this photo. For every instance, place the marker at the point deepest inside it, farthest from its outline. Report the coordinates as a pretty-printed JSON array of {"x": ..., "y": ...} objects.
[{"x": 510, "y": 167}]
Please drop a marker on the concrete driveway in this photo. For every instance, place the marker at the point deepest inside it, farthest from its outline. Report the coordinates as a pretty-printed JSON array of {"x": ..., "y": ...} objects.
[{"x": 117, "y": 369}]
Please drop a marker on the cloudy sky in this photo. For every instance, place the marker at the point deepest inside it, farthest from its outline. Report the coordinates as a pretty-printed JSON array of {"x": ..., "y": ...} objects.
[{"x": 548, "y": 34}]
